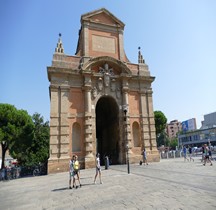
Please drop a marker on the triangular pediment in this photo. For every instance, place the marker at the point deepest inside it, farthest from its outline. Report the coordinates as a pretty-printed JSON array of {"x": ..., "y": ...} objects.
[
  {"x": 101, "y": 34},
  {"x": 102, "y": 16}
]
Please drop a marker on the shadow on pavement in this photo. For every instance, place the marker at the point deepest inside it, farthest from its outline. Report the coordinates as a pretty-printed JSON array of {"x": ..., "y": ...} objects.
[
  {"x": 66, "y": 188},
  {"x": 59, "y": 189}
]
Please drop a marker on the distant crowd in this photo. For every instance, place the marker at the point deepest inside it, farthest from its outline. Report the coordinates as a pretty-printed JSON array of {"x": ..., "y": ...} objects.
[{"x": 206, "y": 154}]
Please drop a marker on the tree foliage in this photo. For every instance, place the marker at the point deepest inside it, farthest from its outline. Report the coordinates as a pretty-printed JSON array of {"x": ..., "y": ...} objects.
[
  {"x": 173, "y": 143},
  {"x": 16, "y": 131},
  {"x": 38, "y": 152},
  {"x": 162, "y": 139},
  {"x": 160, "y": 121},
  {"x": 160, "y": 125},
  {"x": 26, "y": 137}
]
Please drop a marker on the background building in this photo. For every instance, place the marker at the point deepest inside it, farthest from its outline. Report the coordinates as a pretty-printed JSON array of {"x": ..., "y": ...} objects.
[
  {"x": 206, "y": 134},
  {"x": 189, "y": 125},
  {"x": 173, "y": 128},
  {"x": 198, "y": 137},
  {"x": 209, "y": 120}
]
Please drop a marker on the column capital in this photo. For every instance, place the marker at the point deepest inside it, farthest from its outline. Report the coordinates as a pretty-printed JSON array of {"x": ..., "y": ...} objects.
[{"x": 87, "y": 88}]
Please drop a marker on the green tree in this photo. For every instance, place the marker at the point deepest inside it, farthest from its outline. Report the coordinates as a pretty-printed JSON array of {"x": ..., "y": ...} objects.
[
  {"x": 162, "y": 139},
  {"x": 38, "y": 152},
  {"x": 16, "y": 131},
  {"x": 173, "y": 143},
  {"x": 160, "y": 125}
]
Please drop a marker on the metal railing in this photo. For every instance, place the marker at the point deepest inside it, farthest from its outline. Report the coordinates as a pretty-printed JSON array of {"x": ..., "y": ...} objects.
[{"x": 170, "y": 154}]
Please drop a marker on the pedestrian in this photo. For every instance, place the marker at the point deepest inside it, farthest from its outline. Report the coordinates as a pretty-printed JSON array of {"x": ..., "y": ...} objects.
[
  {"x": 71, "y": 171},
  {"x": 203, "y": 153},
  {"x": 145, "y": 161},
  {"x": 210, "y": 153},
  {"x": 98, "y": 168},
  {"x": 3, "y": 174},
  {"x": 190, "y": 153},
  {"x": 185, "y": 153},
  {"x": 76, "y": 167},
  {"x": 206, "y": 149}
]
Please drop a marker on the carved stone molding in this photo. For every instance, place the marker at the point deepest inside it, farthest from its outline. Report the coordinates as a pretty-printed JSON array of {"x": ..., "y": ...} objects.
[
  {"x": 94, "y": 92},
  {"x": 100, "y": 84}
]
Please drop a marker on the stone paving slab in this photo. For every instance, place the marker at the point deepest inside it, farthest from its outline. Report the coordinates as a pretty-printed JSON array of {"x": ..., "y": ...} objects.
[{"x": 170, "y": 184}]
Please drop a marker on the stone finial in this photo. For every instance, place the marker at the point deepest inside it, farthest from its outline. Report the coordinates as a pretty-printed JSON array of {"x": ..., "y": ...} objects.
[
  {"x": 142, "y": 67},
  {"x": 140, "y": 57},
  {"x": 59, "y": 48}
]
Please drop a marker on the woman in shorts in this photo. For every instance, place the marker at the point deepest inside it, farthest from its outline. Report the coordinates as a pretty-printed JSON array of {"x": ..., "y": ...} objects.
[
  {"x": 76, "y": 168},
  {"x": 98, "y": 168}
]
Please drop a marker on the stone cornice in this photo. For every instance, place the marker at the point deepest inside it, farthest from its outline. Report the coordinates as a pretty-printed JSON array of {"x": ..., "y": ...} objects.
[
  {"x": 62, "y": 87},
  {"x": 103, "y": 27},
  {"x": 56, "y": 70},
  {"x": 144, "y": 78}
]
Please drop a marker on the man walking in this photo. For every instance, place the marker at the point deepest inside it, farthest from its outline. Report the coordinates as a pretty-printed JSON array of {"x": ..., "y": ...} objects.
[
  {"x": 185, "y": 153},
  {"x": 206, "y": 158}
]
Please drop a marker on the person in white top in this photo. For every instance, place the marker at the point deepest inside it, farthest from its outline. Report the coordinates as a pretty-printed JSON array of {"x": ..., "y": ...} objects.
[{"x": 98, "y": 168}]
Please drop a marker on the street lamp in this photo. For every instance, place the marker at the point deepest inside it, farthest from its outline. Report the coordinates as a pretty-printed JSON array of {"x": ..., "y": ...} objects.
[{"x": 127, "y": 146}]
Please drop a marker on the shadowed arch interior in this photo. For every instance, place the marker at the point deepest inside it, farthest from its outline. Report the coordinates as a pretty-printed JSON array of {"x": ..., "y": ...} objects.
[{"x": 107, "y": 128}]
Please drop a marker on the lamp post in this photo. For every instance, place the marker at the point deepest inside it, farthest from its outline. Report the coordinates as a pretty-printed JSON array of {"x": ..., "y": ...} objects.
[
  {"x": 128, "y": 164},
  {"x": 127, "y": 146}
]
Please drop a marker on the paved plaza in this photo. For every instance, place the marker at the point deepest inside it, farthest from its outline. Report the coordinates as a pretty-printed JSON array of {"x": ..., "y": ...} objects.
[{"x": 170, "y": 184}]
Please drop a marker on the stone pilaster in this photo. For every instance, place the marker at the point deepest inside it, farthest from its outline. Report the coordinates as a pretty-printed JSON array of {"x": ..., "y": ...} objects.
[
  {"x": 121, "y": 45},
  {"x": 59, "y": 129},
  {"x": 89, "y": 157},
  {"x": 86, "y": 40},
  {"x": 54, "y": 122},
  {"x": 64, "y": 124},
  {"x": 127, "y": 129},
  {"x": 145, "y": 138},
  {"x": 151, "y": 121}
]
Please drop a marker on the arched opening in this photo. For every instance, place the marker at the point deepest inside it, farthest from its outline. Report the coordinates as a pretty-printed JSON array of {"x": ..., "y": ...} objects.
[
  {"x": 107, "y": 129},
  {"x": 136, "y": 134},
  {"x": 76, "y": 136}
]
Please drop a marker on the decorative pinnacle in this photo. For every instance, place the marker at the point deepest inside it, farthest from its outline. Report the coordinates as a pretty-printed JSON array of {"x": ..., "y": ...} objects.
[
  {"x": 140, "y": 57},
  {"x": 59, "y": 48}
]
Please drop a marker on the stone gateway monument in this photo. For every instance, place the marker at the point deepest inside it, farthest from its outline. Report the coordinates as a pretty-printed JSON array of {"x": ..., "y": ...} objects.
[{"x": 99, "y": 100}]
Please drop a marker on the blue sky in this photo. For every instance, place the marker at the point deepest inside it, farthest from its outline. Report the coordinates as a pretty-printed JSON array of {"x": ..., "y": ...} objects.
[{"x": 177, "y": 39}]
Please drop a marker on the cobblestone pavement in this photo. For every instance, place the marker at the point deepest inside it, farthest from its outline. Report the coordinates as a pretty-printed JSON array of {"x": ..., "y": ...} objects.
[{"x": 170, "y": 184}]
